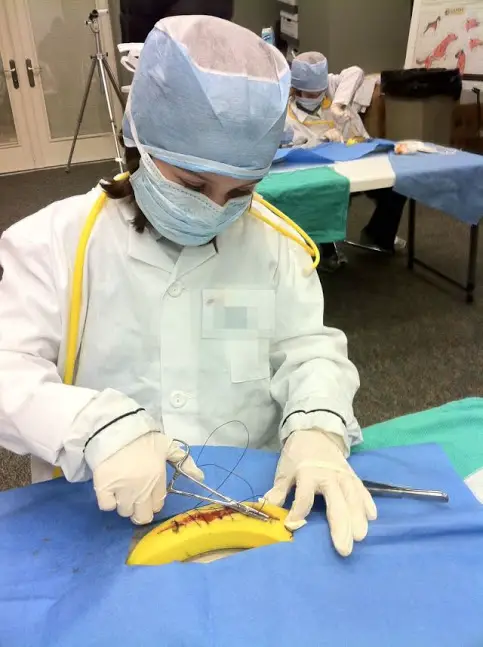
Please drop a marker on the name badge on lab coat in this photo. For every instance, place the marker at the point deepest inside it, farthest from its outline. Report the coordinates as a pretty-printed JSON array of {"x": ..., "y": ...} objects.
[
  {"x": 238, "y": 314},
  {"x": 244, "y": 320}
]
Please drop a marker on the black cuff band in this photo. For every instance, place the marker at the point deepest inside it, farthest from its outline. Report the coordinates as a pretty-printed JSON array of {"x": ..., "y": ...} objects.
[
  {"x": 334, "y": 413},
  {"x": 108, "y": 424}
]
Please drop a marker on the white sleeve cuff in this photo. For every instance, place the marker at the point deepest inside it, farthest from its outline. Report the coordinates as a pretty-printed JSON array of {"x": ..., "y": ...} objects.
[
  {"x": 324, "y": 420},
  {"x": 47, "y": 418},
  {"x": 117, "y": 434},
  {"x": 107, "y": 424}
]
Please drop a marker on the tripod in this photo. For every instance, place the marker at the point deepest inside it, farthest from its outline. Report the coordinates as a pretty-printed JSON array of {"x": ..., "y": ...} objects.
[{"x": 99, "y": 61}]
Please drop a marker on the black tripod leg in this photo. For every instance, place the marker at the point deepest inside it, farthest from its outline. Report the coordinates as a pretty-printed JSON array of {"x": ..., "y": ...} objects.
[
  {"x": 411, "y": 233},
  {"x": 472, "y": 264},
  {"x": 81, "y": 113},
  {"x": 114, "y": 84}
]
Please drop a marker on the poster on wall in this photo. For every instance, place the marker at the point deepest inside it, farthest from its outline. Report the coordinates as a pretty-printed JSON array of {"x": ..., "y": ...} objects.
[{"x": 448, "y": 34}]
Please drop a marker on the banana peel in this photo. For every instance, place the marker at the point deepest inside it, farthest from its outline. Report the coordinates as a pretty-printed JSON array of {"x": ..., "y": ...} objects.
[
  {"x": 355, "y": 140},
  {"x": 206, "y": 530}
]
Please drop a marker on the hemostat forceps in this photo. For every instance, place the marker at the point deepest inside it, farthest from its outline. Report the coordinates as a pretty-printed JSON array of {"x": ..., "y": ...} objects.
[
  {"x": 223, "y": 500},
  {"x": 398, "y": 491}
]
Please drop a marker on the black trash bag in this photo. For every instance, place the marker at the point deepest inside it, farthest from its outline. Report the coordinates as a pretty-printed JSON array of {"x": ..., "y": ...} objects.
[{"x": 420, "y": 83}]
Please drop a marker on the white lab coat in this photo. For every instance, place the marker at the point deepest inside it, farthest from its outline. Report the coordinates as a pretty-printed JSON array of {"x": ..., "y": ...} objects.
[
  {"x": 308, "y": 131},
  {"x": 343, "y": 87},
  {"x": 232, "y": 333}
]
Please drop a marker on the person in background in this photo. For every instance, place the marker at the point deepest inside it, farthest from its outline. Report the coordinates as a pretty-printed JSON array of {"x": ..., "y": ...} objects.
[
  {"x": 195, "y": 313},
  {"x": 138, "y": 17},
  {"x": 320, "y": 110},
  {"x": 320, "y": 107}
]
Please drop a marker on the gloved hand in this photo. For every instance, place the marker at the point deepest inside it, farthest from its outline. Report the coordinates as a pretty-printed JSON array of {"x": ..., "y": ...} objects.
[
  {"x": 287, "y": 137},
  {"x": 333, "y": 135},
  {"x": 300, "y": 140},
  {"x": 341, "y": 113},
  {"x": 133, "y": 480},
  {"x": 314, "y": 462}
]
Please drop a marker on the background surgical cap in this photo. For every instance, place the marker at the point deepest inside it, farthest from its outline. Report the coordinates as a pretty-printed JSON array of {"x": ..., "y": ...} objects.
[
  {"x": 208, "y": 95},
  {"x": 310, "y": 72}
]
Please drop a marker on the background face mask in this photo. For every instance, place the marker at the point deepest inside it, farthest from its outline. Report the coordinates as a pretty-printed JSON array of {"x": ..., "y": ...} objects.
[
  {"x": 310, "y": 104},
  {"x": 180, "y": 214}
]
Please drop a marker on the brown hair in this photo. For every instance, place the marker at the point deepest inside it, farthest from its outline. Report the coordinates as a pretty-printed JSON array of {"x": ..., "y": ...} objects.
[{"x": 122, "y": 189}]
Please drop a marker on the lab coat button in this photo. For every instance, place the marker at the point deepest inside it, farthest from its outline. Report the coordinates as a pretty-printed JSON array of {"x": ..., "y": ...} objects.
[
  {"x": 175, "y": 290},
  {"x": 178, "y": 399}
]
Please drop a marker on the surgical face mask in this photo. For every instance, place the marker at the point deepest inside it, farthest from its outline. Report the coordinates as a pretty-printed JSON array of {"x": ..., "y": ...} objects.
[
  {"x": 310, "y": 105},
  {"x": 180, "y": 214}
]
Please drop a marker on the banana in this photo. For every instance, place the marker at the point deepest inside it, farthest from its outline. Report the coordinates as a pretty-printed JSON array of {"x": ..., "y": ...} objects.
[
  {"x": 208, "y": 529},
  {"x": 355, "y": 140}
]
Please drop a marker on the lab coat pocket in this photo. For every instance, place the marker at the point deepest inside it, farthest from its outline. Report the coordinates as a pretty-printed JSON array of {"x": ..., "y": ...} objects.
[
  {"x": 243, "y": 321},
  {"x": 249, "y": 360}
]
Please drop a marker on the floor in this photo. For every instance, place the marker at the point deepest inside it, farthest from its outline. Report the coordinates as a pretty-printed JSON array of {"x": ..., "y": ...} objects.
[{"x": 415, "y": 342}]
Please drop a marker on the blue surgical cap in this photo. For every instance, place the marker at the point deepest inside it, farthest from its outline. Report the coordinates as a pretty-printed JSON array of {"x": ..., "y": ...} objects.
[
  {"x": 208, "y": 95},
  {"x": 310, "y": 72}
]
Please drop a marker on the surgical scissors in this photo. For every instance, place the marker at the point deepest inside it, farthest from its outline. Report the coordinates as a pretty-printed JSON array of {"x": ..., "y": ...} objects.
[
  {"x": 223, "y": 500},
  {"x": 385, "y": 489}
]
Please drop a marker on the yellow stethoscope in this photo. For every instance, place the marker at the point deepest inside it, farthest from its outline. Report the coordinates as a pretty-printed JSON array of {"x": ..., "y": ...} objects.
[
  {"x": 302, "y": 239},
  {"x": 358, "y": 139},
  {"x": 75, "y": 305}
]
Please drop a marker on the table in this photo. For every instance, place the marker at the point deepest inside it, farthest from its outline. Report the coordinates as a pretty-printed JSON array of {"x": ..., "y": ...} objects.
[
  {"x": 59, "y": 554},
  {"x": 377, "y": 172},
  {"x": 365, "y": 174}
]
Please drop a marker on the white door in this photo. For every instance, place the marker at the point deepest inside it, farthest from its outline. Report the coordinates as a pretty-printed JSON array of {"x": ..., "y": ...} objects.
[
  {"x": 52, "y": 50},
  {"x": 16, "y": 152}
]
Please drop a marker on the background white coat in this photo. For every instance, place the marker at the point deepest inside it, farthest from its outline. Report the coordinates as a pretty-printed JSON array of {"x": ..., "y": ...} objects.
[{"x": 341, "y": 90}]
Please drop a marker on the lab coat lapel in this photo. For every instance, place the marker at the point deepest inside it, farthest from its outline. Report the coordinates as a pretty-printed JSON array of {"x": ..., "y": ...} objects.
[
  {"x": 145, "y": 248},
  {"x": 192, "y": 257},
  {"x": 300, "y": 115},
  {"x": 303, "y": 116}
]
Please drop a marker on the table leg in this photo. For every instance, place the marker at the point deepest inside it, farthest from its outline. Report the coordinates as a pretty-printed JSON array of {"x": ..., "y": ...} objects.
[
  {"x": 411, "y": 233},
  {"x": 472, "y": 263}
]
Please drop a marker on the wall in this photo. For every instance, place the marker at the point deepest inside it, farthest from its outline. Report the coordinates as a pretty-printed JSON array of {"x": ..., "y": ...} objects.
[
  {"x": 314, "y": 17},
  {"x": 253, "y": 14},
  {"x": 369, "y": 33},
  {"x": 375, "y": 36},
  {"x": 256, "y": 14}
]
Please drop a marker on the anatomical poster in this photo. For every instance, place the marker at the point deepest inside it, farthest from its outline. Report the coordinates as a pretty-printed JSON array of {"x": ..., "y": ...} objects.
[{"x": 446, "y": 34}]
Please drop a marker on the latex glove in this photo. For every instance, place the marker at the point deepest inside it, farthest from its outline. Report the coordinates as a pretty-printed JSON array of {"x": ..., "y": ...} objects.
[
  {"x": 300, "y": 140},
  {"x": 133, "y": 480},
  {"x": 287, "y": 137},
  {"x": 341, "y": 113},
  {"x": 314, "y": 462},
  {"x": 333, "y": 135}
]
